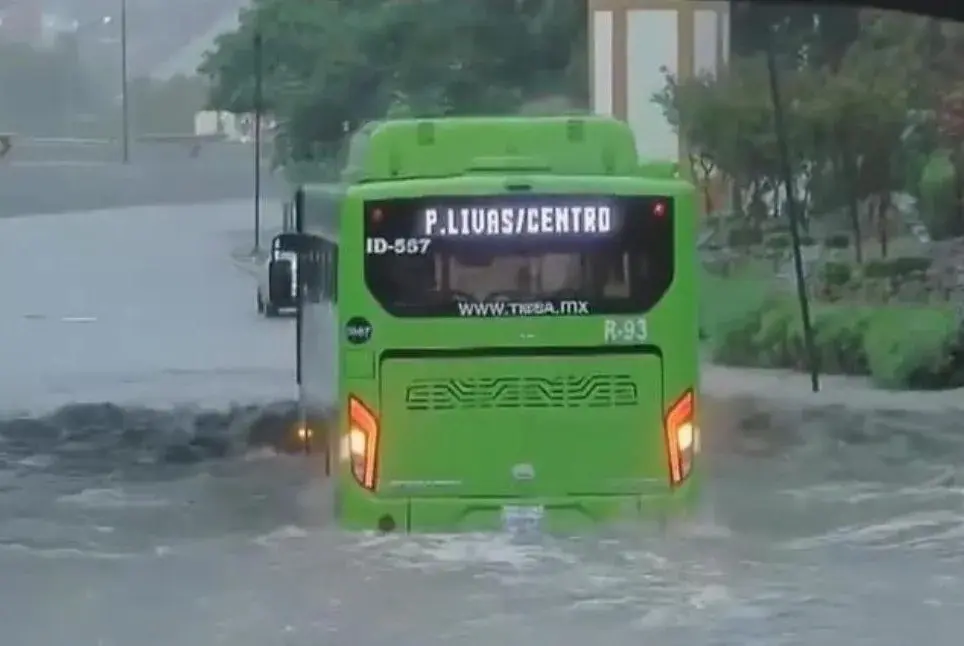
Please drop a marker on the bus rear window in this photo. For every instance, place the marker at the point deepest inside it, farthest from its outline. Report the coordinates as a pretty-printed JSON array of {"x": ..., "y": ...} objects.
[{"x": 527, "y": 255}]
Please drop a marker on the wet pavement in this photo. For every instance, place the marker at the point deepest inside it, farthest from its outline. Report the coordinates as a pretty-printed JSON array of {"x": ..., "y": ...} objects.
[
  {"x": 143, "y": 502},
  {"x": 58, "y": 176},
  {"x": 138, "y": 304}
]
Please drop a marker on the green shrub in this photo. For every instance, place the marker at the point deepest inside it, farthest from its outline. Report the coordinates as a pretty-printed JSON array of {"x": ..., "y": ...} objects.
[
  {"x": 875, "y": 269},
  {"x": 915, "y": 160},
  {"x": 910, "y": 348},
  {"x": 897, "y": 267},
  {"x": 727, "y": 299},
  {"x": 938, "y": 197},
  {"x": 832, "y": 280},
  {"x": 771, "y": 346},
  {"x": 838, "y": 332},
  {"x": 837, "y": 241},
  {"x": 765, "y": 335},
  {"x": 775, "y": 225},
  {"x": 744, "y": 237},
  {"x": 836, "y": 274},
  {"x": 735, "y": 342},
  {"x": 777, "y": 242},
  {"x": 772, "y": 337},
  {"x": 915, "y": 348},
  {"x": 907, "y": 265}
]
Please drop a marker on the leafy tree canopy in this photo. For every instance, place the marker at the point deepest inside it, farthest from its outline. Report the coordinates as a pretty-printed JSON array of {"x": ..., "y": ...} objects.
[
  {"x": 861, "y": 124},
  {"x": 819, "y": 33},
  {"x": 331, "y": 65}
]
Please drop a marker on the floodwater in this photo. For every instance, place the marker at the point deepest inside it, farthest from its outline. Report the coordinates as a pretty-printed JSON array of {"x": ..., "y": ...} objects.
[{"x": 143, "y": 502}]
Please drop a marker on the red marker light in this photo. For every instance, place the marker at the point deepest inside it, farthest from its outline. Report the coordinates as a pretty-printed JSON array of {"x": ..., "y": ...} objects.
[
  {"x": 376, "y": 215},
  {"x": 659, "y": 209}
]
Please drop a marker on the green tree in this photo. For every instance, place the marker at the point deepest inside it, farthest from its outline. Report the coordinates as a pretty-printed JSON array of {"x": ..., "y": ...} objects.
[
  {"x": 803, "y": 32},
  {"x": 847, "y": 120},
  {"x": 330, "y": 66},
  {"x": 727, "y": 119},
  {"x": 862, "y": 120}
]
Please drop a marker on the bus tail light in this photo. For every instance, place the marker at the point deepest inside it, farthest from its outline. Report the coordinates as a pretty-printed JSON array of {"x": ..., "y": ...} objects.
[
  {"x": 360, "y": 445},
  {"x": 682, "y": 437}
]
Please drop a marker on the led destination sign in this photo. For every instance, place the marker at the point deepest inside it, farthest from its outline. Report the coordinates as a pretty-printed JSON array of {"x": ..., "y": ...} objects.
[{"x": 535, "y": 220}]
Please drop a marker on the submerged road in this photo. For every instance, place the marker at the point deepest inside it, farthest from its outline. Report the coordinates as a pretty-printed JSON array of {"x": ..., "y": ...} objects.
[
  {"x": 146, "y": 514},
  {"x": 137, "y": 303}
]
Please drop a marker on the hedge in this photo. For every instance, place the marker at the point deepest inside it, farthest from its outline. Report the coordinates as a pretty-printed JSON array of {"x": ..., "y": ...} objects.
[
  {"x": 724, "y": 299},
  {"x": 911, "y": 348}
]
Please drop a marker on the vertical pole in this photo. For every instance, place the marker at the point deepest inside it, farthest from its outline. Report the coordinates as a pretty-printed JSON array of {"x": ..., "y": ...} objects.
[
  {"x": 258, "y": 107},
  {"x": 125, "y": 103},
  {"x": 794, "y": 217},
  {"x": 73, "y": 51}
]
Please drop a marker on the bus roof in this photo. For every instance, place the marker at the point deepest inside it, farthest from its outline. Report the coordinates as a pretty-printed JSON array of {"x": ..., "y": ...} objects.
[{"x": 425, "y": 148}]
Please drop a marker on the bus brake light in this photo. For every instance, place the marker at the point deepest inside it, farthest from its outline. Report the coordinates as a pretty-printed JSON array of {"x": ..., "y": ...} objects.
[
  {"x": 682, "y": 437},
  {"x": 360, "y": 445}
]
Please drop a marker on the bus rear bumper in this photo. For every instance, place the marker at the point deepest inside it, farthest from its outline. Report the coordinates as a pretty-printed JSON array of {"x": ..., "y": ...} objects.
[{"x": 556, "y": 515}]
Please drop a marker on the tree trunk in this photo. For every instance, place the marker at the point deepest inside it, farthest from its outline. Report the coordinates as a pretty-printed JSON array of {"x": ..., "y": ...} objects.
[
  {"x": 756, "y": 209},
  {"x": 707, "y": 197},
  {"x": 736, "y": 197},
  {"x": 853, "y": 203},
  {"x": 706, "y": 180},
  {"x": 853, "y": 207},
  {"x": 957, "y": 162},
  {"x": 883, "y": 208},
  {"x": 805, "y": 203}
]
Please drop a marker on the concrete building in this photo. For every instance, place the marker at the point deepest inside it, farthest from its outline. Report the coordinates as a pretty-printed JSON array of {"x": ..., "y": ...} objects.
[{"x": 633, "y": 43}]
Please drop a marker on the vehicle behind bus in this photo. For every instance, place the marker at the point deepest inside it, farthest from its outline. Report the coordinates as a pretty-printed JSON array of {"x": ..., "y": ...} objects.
[{"x": 516, "y": 329}]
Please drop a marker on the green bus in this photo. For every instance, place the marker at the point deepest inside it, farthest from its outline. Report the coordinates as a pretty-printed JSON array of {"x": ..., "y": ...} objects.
[{"x": 497, "y": 327}]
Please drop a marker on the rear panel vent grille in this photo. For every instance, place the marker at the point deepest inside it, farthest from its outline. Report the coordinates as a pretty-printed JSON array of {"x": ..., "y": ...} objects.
[{"x": 582, "y": 391}]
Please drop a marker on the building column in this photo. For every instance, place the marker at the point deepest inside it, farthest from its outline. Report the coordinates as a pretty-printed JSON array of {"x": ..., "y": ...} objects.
[{"x": 633, "y": 43}]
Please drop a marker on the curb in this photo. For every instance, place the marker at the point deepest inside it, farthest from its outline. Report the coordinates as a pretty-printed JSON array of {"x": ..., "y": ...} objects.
[{"x": 247, "y": 263}]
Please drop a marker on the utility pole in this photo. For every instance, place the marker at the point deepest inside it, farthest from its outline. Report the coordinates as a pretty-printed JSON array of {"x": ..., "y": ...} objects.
[
  {"x": 789, "y": 184},
  {"x": 258, "y": 107},
  {"x": 125, "y": 102}
]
